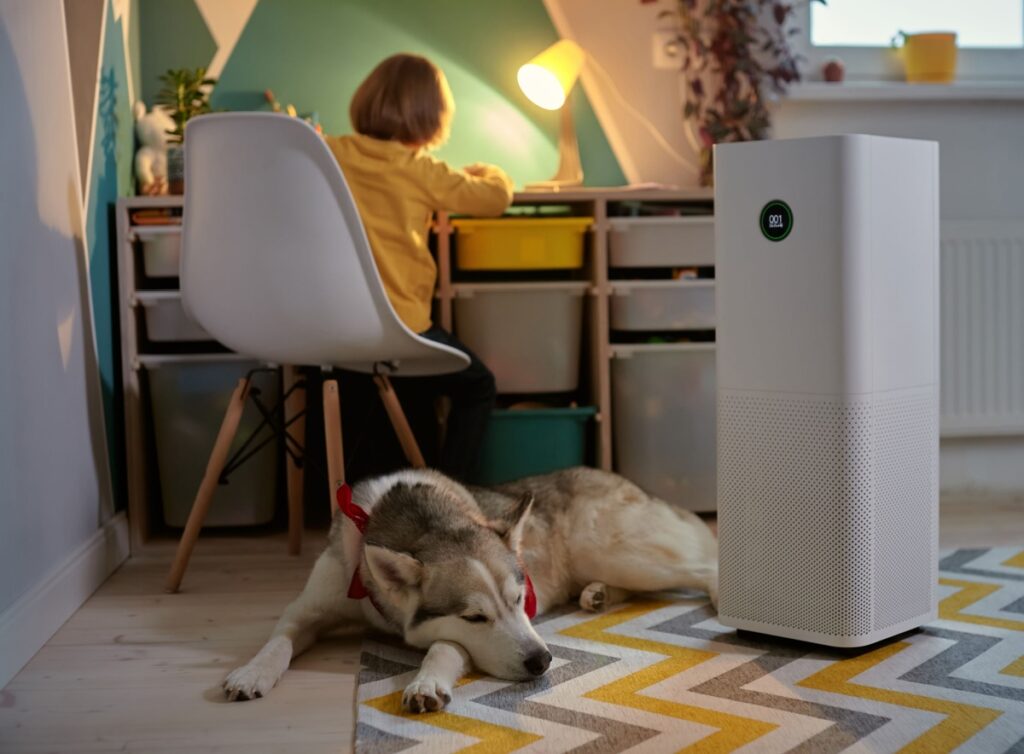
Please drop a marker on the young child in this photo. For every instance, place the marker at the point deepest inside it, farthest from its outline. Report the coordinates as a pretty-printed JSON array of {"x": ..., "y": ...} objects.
[{"x": 403, "y": 109}]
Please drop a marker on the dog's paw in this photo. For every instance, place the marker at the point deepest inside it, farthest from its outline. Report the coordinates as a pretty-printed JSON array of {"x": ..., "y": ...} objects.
[
  {"x": 250, "y": 681},
  {"x": 713, "y": 591},
  {"x": 426, "y": 695},
  {"x": 594, "y": 598}
]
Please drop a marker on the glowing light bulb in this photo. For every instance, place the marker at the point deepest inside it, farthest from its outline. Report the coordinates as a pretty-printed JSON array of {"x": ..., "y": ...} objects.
[
  {"x": 541, "y": 86},
  {"x": 548, "y": 78}
]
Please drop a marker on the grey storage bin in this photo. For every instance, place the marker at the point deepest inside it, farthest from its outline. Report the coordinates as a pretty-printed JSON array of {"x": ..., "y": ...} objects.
[
  {"x": 161, "y": 253},
  {"x": 663, "y": 305},
  {"x": 166, "y": 319},
  {"x": 188, "y": 401},
  {"x": 663, "y": 407},
  {"x": 528, "y": 334},
  {"x": 661, "y": 241}
]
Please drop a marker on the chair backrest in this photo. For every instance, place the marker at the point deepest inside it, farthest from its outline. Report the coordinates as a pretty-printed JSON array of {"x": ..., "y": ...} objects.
[{"x": 275, "y": 262}]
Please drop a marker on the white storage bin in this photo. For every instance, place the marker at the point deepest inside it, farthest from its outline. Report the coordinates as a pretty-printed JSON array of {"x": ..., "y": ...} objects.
[
  {"x": 528, "y": 334},
  {"x": 161, "y": 253},
  {"x": 663, "y": 305},
  {"x": 188, "y": 401},
  {"x": 166, "y": 319},
  {"x": 663, "y": 407},
  {"x": 661, "y": 241}
]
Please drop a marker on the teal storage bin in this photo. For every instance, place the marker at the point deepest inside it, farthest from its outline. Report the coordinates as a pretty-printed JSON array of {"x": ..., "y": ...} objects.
[{"x": 524, "y": 442}]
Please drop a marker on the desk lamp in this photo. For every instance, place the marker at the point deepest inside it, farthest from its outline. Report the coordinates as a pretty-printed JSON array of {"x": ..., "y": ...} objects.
[{"x": 547, "y": 80}]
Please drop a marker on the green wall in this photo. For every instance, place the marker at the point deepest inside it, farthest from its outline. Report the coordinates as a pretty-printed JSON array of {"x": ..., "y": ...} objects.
[
  {"x": 172, "y": 34},
  {"x": 314, "y": 53},
  {"x": 111, "y": 177}
]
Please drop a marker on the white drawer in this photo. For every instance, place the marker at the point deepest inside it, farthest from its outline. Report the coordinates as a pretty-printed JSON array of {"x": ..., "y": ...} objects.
[
  {"x": 663, "y": 305},
  {"x": 528, "y": 334},
  {"x": 663, "y": 407},
  {"x": 661, "y": 241},
  {"x": 166, "y": 319},
  {"x": 161, "y": 254}
]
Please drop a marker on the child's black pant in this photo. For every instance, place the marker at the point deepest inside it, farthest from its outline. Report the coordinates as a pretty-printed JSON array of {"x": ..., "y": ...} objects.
[{"x": 472, "y": 393}]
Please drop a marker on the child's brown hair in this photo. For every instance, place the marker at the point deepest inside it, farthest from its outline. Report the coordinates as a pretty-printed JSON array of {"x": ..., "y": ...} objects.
[{"x": 405, "y": 98}]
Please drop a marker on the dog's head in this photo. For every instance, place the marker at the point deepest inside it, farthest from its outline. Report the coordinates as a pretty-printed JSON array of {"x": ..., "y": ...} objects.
[{"x": 453, "y": 576}]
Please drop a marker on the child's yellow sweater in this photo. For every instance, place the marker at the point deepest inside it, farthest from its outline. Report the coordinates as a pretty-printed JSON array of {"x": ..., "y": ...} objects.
[{"x": 397, "y": 189}]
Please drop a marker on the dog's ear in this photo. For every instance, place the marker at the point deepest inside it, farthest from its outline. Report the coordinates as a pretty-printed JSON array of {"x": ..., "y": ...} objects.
[
  {"x": 510, "y": 525},
  {"x": 392, "y": 569}
]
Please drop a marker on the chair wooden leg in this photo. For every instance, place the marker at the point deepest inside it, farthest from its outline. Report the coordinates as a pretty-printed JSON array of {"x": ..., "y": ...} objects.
[
  {"x": 397, "y": 416},
  {"x": 204, "y": 497},
  {"x": 333, "y": 441},
  {"x": 295, "y": 405}
]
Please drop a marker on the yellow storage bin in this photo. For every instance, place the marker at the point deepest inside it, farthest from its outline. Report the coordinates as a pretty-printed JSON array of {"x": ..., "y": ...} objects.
[{"x": 541, "y": 243}]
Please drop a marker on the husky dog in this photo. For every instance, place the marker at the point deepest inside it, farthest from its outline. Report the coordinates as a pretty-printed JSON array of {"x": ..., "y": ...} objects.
[{"x": 454, "y": 570}]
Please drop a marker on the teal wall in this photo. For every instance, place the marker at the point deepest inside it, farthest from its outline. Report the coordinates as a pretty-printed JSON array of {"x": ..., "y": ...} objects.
[
  {"x": 134, "y": 48},
  {"x": 172, "y": 34},
  {"x": 314, "y": 53},
  {"x": 111, "y": 177}
]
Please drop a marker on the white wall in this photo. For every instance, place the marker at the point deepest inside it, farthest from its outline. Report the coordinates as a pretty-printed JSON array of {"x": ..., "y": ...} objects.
[
  {"x": 58, "y": 536},
  {"x": 618, "y": 35},
  {"x": 981, "y": 145}
]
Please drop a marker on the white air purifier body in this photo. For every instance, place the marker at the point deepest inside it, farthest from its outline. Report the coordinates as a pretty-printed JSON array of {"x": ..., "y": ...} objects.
[{"x": 827, "y": 266}]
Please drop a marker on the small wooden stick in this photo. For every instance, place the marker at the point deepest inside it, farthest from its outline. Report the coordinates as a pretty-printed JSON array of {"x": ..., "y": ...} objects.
[
  {"x": 333, "y": 440},
  {"x": 204, "y": 497},
  {"x": 295, "y": 405},
  {"x": 401, "y": 425}
]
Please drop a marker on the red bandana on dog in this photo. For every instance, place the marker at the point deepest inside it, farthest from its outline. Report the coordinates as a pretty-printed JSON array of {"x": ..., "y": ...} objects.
[{"x": 357, "y": 590}]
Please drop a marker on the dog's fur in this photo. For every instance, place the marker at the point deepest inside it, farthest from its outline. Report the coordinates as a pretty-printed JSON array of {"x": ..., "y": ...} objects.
[{"x": 444, "y": 565}]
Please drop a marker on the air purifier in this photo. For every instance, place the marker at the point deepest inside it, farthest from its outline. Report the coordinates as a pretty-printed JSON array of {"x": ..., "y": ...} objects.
[{"x": 826, "y": 257}]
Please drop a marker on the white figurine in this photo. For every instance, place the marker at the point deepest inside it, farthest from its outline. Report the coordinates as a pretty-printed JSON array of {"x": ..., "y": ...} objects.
[{"x": 151, "y": 159}]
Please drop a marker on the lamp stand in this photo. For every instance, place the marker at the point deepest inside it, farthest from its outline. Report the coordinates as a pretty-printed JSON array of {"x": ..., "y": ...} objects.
[{"x": 570, "y": 171}]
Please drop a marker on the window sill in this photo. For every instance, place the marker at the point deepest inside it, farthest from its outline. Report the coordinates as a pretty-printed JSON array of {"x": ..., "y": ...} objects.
[{"x": 899, "y": 91}]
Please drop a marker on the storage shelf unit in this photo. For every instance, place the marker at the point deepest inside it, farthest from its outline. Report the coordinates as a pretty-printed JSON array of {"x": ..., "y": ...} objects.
[
  {"x": 133, "y": 284},
  {"x": 605, "y": 206},
  {"x": 152, "y": 302},
  {"x": 608, "y": 208}
]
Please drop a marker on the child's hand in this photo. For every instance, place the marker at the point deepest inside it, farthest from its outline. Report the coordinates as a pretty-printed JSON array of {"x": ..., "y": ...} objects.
[{"x": 478, "y": 169}]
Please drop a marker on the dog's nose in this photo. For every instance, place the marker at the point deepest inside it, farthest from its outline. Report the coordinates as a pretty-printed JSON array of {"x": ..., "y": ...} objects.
[{"x": 538, "y": 662}]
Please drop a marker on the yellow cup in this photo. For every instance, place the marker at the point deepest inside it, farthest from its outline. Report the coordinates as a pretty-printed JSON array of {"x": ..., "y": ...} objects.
[{"x": 929, "y": 58}]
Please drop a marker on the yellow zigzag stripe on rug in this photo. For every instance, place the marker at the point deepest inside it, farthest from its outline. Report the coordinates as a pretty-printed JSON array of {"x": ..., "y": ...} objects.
[
  {"x": 970, "y": 592},
  {"x": 1015, "y": 668},
  {"x": 1017, "y": 561},
  {"x": 962, "y": 720},
  {"x": 493, "y": 739},
  {"x": 734, "y": 731}
]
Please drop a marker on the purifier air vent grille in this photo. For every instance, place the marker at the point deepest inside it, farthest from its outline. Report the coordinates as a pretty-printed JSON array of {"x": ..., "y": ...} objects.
[
  {"x": 795, "y": 483},
  {"x": 827, "y": 511},
  {"x": 906, "y": 472}
]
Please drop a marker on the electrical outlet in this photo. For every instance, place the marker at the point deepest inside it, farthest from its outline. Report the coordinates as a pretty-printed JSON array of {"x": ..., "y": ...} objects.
[{"x": 666, "y": 54}]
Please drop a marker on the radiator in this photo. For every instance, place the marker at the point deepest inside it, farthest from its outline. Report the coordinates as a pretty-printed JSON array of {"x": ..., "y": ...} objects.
[{"x": 982, "y": 328}]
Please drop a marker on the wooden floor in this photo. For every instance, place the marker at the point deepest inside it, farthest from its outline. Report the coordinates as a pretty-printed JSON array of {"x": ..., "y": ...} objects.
[{"x": 138, "y": 670}]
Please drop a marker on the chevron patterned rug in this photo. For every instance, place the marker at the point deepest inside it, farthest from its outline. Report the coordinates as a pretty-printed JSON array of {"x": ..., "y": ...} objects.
[{"x": 665, "y": 676}]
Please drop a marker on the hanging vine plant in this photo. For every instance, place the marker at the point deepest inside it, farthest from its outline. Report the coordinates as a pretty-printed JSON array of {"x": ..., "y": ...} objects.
[{"x": 735, "y": 54}]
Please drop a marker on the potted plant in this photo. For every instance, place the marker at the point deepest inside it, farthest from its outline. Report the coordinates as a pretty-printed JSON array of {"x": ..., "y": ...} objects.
[
  {"x": 185, "y": 94},
  {"x": 735, "y": 54}
]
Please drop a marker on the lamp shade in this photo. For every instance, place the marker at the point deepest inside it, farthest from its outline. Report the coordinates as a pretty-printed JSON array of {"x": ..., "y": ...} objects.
[{"x": 548, "y": 78}]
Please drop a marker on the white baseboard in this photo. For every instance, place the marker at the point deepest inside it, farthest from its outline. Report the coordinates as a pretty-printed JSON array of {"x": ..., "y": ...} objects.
[
  {"x": 981, "y": 466},
  {"x": 30, "y": 622}
]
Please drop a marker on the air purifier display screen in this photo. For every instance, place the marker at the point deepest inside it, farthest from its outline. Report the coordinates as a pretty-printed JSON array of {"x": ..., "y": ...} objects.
[{"x": 776, "y": 220}]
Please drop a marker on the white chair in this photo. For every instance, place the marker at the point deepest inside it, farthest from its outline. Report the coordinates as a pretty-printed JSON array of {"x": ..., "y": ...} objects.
[{"x": 276, "y": 265}]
